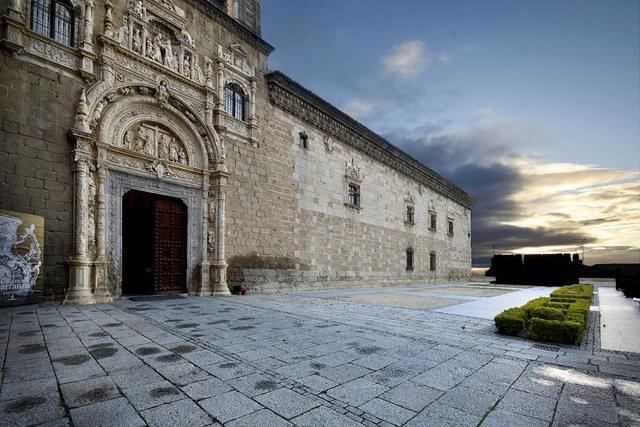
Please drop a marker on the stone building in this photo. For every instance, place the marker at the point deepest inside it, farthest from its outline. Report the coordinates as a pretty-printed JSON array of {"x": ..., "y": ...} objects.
[{"x": 165, "y": 157}]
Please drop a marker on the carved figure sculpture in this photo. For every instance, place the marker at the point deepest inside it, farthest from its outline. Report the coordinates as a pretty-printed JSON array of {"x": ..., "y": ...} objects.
[
  {"x": 182, "y": 156},
  {"x": 128, "y": 140},
  {"x": 140, "y": 139},
  {"x": 123, "y": 35},
  {"x": 163, "y": 147},
  {"x": 186, "y": 66},
  {"x": 188, "y": 39},
  {"x": 156, "y": 52},
  {"x": 162, "y": 94},
  {"x": 136, "y": 44},
  {"x": 197, "y": 73},
  {"x": 173, "y": 152}
]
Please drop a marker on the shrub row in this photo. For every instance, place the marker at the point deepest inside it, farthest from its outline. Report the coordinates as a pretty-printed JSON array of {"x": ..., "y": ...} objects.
[{"x": 560, "y": 318}]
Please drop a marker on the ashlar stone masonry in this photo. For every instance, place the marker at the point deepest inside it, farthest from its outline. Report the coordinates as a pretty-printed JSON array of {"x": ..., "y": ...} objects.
[{"x": 114, "y": 108}]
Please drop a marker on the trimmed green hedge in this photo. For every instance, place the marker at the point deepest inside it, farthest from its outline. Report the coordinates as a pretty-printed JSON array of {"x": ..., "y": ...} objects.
[{"x": 560, "y": 318}]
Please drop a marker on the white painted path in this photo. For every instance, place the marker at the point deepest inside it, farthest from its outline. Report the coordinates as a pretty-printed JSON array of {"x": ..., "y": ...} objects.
[
  {"x": 488, "y": 308},
  {"x": 619, "y": 321}
]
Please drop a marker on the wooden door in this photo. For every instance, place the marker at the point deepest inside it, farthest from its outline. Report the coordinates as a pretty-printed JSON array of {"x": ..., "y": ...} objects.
[{"x": 169, "y": 246}]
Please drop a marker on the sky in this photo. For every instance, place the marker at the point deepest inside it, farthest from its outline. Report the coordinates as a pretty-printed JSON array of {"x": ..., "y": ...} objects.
[{"x": 532, "y": 107}]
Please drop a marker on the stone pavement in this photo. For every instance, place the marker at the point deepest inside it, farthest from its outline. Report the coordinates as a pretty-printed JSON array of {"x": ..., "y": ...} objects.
[{"x": 298, "y": 359}]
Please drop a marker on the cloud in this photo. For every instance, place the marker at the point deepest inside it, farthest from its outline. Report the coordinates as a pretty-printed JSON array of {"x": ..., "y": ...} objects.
[
  {"x": 359, "y": 107},
  {"x": 525, "y": 204},
  {"x": 444, "y": 58},
  {"x": 407, "y": 59}
]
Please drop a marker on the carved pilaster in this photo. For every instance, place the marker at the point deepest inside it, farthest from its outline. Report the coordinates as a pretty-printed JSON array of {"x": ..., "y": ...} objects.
[
  {"x": 12, "y": 26},
  {"x": 87, "y": 34},
  {"x": 101, "y": 290},
  {"x": 206, "y": 289},
  {"x": 219, "y": 266},
  {"x": 86, "y": 46},
  {"x": 79, "y": 291}
]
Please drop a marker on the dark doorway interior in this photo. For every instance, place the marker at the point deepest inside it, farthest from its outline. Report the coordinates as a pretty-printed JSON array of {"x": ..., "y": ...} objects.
[{"x": 154, "y": 251}]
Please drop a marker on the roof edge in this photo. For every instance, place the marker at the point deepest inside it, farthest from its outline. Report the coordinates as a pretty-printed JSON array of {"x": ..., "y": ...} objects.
[{"x": 410, "y": 166}]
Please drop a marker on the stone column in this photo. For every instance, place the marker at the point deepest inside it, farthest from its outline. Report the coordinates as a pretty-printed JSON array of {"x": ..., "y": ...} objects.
[
  {"x": 219, "y": 265},
  {"x": 79, "y": 291},
  {"x": 101, "y": 293},
  {"x": 253, "y": 122},
  {"x": 87, "y": 33},
  {"x": 205, "y": 277}
]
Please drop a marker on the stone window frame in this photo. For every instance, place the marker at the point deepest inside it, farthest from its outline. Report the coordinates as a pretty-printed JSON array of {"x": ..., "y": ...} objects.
[
  {"x": 352, "y": 183},
  {"x": 76, "y": 18},
  {"x": 450, "y": 227},
  {"x": 433, "y": 220},
  {"x": 409, "y": 260},
  {"x": 237, "y": 92},
  {"x": 303, "y": 140},
  {"x": 432, "y": 261},
  {"x": 410, "y": 215}
]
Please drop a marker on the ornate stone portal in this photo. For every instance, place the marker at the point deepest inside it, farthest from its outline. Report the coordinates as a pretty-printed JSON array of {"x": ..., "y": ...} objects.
[{"x": 141, "y": 128}]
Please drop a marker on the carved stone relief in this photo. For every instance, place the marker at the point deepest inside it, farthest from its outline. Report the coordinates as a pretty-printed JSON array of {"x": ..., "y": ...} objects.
[
  {"x": 154, "y": 140},
  {"x": 150, "y": 33}
]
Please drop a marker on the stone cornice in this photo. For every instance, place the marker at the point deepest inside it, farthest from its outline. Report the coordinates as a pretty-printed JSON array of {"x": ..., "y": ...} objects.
[
  {"x": 290, "y": 96},
  {"x": 235, "y": 26}
]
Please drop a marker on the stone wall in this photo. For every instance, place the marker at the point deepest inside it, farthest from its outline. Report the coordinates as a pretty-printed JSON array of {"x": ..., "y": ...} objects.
[
  {"x": 308, "y": 238},
  {"x": 37, "y": 107}
]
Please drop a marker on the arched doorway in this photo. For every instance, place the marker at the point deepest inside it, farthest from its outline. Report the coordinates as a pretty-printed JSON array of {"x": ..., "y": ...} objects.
[{"x": 154, "y": 244}]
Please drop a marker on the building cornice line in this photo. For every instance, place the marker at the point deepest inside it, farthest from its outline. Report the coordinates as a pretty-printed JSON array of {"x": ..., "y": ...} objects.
[{"x": 292, "y": 97}]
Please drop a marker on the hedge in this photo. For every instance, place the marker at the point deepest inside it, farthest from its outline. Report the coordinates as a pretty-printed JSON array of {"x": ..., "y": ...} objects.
[{"x": 559, "y": 318}]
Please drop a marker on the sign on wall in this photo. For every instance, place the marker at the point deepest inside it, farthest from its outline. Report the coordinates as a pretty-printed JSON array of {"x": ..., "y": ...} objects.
[{"x": 21, "y": 255}]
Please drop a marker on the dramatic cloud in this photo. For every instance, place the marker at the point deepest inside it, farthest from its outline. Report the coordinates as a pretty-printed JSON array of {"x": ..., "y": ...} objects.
[
  {"x": 526, "y": 205},
  {"x": 407, "y": 59}
]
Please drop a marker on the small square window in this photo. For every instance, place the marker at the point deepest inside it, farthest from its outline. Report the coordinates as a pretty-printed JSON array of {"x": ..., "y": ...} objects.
[
  {"x": 303, "y": 140},
  {"x": 450, "y": 230},
  {"x": 353, "y": 198},
  {"x": 410, "y": 218},
  {"x": 433, "y": 221}
]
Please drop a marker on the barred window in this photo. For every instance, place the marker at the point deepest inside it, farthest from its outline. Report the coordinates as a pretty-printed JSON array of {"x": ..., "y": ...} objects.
[
  {"x": 235, "y": 101},
  {"x": 354, "y": 195},
  {"x": 53, "y": 18},
  {"x": 432, "y": 261},
  {"x": 409, "y": 259}
]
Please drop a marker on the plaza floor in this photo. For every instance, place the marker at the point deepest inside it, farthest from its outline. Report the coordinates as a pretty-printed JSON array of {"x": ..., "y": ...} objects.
[{"x": 333, "y": 358}]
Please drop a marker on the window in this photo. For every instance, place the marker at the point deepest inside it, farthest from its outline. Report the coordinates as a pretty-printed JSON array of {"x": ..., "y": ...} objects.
[
  {"x": 54, "y": 19},
  {"x": 353, "y": 198},
  {"x": 432, "y": 261},
  {"x": 432, "y": 221},
  {"x": 303, "y": 140},
  {"x": 235, "y": 101},
  {"x": 409, "y": 259},
  {"x": 450, "y": 230},
  {"x": 410, "y": 215}
]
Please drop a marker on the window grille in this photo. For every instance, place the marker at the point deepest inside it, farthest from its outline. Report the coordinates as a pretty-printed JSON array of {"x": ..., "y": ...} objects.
[
  {"x": 54, "y": 19},
  {"x": 235, "y": 101}
]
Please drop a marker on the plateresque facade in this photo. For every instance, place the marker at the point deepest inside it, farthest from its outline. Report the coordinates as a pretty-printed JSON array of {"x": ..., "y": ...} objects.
[{"x": 165, "y": 157}]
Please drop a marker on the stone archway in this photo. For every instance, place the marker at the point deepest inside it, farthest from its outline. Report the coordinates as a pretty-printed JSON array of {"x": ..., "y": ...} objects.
[{"x": 141, "y": 138}]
